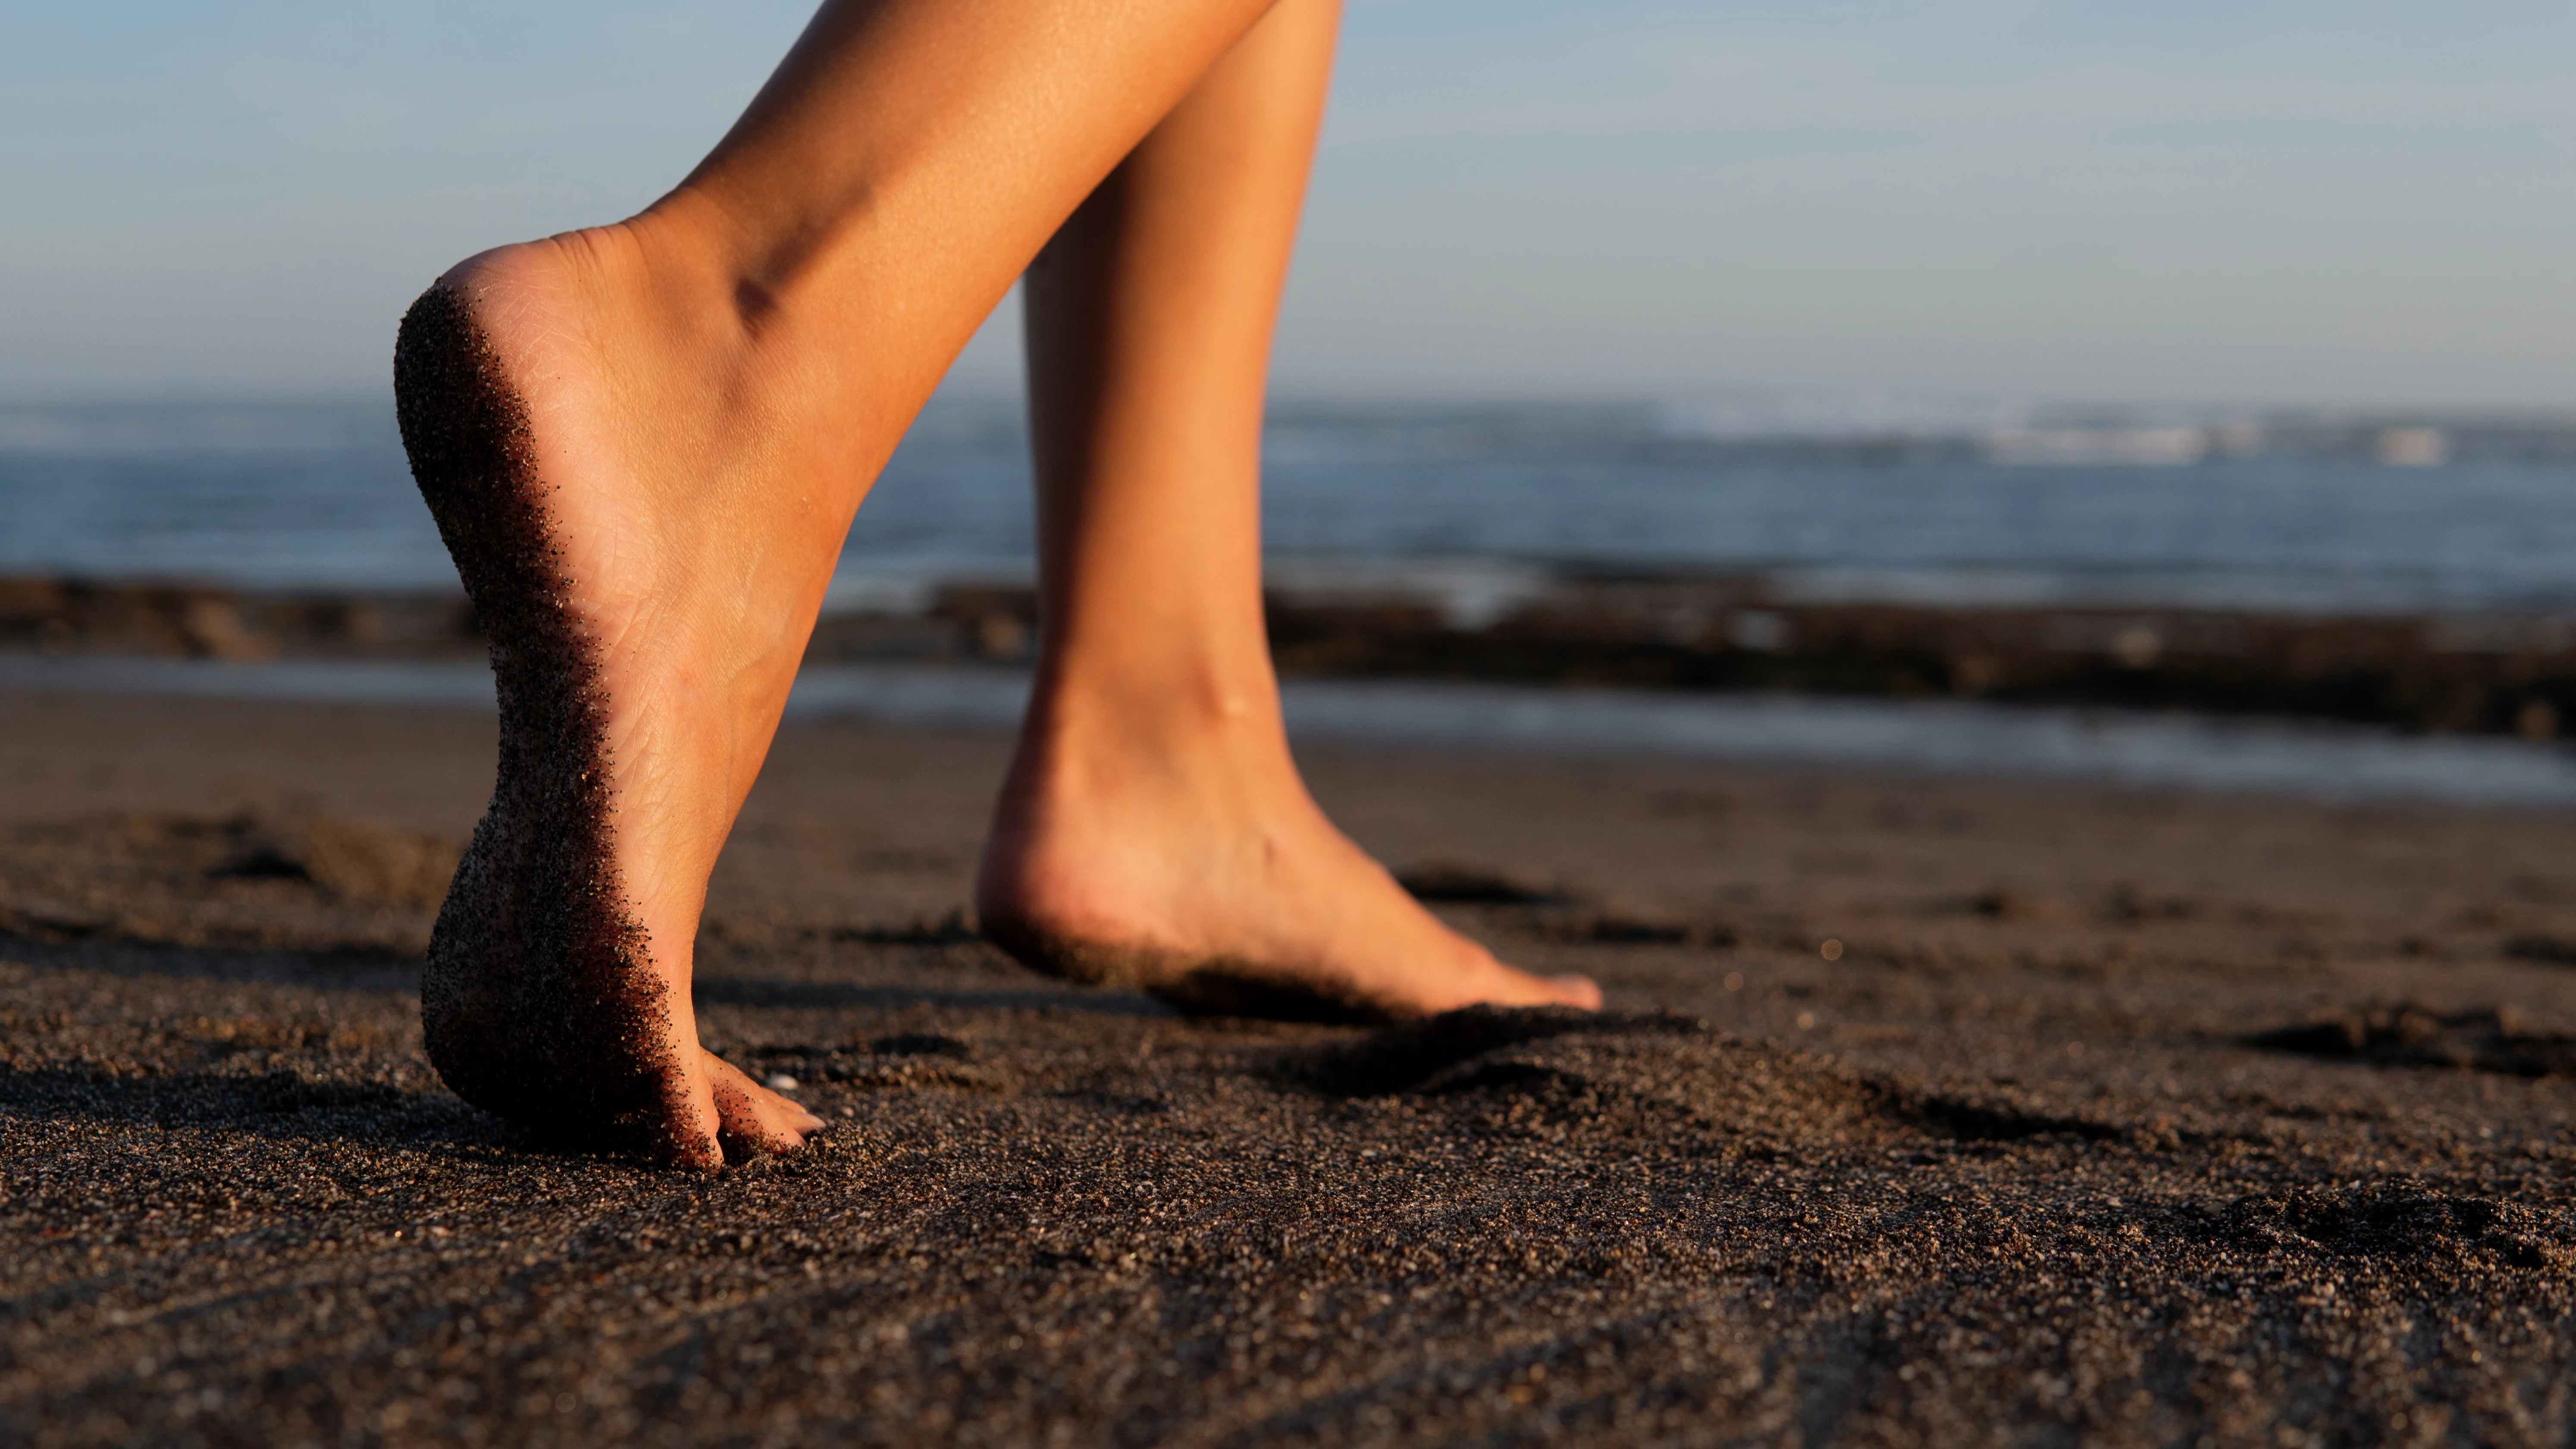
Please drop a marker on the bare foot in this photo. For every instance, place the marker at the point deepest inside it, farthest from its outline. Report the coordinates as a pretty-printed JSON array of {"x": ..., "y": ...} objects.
[
  {"x": 600, "y": 443},
  {"x": 1200, "y": 870}
]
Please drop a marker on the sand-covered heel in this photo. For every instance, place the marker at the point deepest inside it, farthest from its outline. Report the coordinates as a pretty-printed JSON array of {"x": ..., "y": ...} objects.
[{"x": 538, "y": 999}]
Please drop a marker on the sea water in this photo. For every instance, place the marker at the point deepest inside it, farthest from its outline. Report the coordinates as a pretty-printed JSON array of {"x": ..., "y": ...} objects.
[
  {"x": 2384, "y": 514},
  {"x": 2369, "y": 515}
]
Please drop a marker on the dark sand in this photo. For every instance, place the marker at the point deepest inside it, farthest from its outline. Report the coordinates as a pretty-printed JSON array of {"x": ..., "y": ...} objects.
[{"x": 2013, "y": 1168}]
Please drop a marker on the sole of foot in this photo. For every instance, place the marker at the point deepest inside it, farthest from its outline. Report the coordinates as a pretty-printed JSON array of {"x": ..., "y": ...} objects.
[{"x": 542, "y": 1000}]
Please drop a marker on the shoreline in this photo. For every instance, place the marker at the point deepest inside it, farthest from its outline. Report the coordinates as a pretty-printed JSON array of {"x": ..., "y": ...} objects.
[
  {"x": 1962, "y": 739},
  {"x": 2484, "y": 672}
]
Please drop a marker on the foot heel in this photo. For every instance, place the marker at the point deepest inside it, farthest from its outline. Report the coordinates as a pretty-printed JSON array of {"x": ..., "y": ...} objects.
[{"x": 538, "y": 999}]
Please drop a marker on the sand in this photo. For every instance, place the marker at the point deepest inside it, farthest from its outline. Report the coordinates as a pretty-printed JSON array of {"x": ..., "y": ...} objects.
[{"x": 2121, "y": 1118}]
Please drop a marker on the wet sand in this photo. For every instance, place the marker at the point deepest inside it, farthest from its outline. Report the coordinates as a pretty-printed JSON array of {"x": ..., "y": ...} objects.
[
  {"x": 2116, "y": 1118},
  {"x": 2493, "y": 671}
]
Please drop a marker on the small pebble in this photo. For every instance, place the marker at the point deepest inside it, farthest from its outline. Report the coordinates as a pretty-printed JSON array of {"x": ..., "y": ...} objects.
[{"x": 781, "y": 1082}]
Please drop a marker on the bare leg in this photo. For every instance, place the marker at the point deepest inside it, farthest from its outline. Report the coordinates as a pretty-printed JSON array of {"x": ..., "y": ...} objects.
[
  {"x": 1154, "y": 830},
  {"x": 644, "y": 443}
]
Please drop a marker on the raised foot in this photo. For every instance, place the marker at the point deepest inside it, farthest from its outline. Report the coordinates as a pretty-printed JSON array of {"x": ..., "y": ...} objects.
[{"x": 542, "y": 999}]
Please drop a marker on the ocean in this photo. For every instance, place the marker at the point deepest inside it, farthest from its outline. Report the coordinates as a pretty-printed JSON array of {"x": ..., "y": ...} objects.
[{"x": 2307, "y": 513}]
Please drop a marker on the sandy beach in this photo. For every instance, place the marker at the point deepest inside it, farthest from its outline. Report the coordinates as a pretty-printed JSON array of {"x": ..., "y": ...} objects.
[{"x": 1926, "y": 1111}]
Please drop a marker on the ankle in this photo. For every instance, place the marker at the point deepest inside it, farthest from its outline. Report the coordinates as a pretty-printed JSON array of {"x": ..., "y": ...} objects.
[
  {"x": 1226, "y": 717},
  {"x": 705, "y": 251},
  {"x": 774, "y": 278}
]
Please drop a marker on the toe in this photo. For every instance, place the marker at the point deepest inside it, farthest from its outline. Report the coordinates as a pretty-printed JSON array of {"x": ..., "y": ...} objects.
[
  {"x": 753, "y": 1116},
  {"x": 1581, "y": 992},
  {"x": 691, "y": 1147}
]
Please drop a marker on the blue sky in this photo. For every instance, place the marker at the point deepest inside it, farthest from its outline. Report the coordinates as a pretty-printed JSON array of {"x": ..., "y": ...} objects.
[{"x": 2256, "y": 203}]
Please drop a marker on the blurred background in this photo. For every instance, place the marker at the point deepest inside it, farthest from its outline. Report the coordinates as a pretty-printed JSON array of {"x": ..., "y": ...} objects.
[{"x": 2020, "y": 351}]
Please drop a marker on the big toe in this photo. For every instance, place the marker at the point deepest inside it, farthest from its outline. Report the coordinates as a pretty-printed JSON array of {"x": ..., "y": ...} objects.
[{"x": 689, "y": 1139}]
